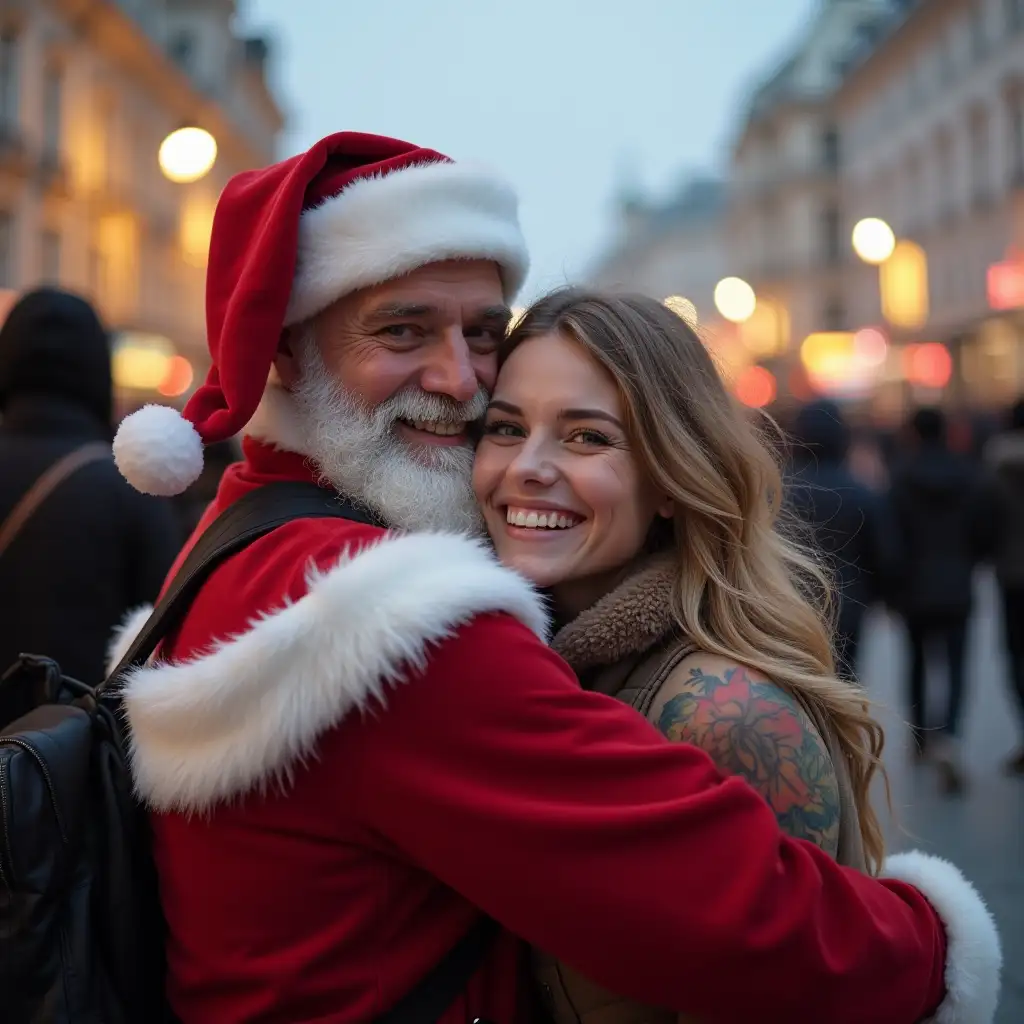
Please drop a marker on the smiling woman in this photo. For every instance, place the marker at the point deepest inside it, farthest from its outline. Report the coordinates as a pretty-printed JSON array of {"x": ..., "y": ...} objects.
[
  {"x": 561, "y": 448},
  {"x": 616, "y": 472}
]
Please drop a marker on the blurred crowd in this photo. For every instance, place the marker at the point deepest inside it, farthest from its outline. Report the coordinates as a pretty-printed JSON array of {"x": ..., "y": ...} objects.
[{"x": 904, "y": 517}]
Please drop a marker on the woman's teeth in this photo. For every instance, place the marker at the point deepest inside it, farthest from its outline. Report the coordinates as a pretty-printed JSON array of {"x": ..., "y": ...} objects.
[
  {"x": 539, "y": 520},
  {"x": 436, "y": 427}
]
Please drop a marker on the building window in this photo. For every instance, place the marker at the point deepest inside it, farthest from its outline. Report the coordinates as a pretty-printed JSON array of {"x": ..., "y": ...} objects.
[
  {"x": 97, "y": 275},
  {"x": 979, "y": 158},
  {"x": 830, "y": 149},
  {"x": 8, "y": 81},
  {"x": 945, "y": 202},
  {"x": 833, "y": 316},
  {"x": 1017, "y": 139},
  {"x": 181, "y": 50},
  {"x": 944, "y": 67},
  {"x": 53, "y": 96},
  {"x": 6, "y": 249},
  {"x": 979, "y": 30},
  {"x": 831, "y": 231},
  {"x": 50, "y": 257}
]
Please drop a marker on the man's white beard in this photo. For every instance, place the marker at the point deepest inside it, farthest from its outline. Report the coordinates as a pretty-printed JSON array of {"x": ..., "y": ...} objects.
[{"x": 358, "y": 452}]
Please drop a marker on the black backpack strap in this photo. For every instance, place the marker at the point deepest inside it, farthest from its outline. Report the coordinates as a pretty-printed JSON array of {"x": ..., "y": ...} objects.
[
  {"x": 251, "y": 517},
  {"x": 427, "y": 1002}
]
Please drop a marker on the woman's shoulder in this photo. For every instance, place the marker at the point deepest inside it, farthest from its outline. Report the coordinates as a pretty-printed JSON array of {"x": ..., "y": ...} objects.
[{"x": 755, "y": 728}]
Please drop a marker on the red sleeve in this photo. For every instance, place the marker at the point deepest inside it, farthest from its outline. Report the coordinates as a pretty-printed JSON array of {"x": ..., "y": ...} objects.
[{"x": 564, "y": 815}]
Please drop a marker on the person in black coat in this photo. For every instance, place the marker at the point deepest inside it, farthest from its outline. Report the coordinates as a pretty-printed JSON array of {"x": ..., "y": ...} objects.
[
  {"x": 1004, "y": 459},
  {"x": 95, "y": 548},
  {"x": 939, "y": 505},
  {"x": 849, "y": 523}
]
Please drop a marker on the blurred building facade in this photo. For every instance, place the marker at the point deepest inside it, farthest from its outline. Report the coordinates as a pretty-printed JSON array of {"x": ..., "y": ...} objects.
[
  {"x": 670, "y": 248},
  {"x": 88, "y": 91},
  {"x": 932, "y": 121},
  {"x": 911, "y": 111},
  {"x": 785, "y": 226}
]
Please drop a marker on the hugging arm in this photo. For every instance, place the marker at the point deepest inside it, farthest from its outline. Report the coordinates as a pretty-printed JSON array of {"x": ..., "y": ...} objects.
[
  {"x": 752, "y": 728},
  {"x": 566, "y": 817}
]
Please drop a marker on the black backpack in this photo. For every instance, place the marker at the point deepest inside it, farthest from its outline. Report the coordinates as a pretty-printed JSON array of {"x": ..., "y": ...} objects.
[{"x": 81, "y": 930}]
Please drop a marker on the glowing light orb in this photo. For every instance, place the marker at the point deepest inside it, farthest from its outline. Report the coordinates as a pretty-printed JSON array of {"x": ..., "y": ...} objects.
[
  {"x": 735, "y": 299},
  {"x": 187, "y": 155},
  {"x": 756, "y": 387},
  {"x": 873, "y": 240}
]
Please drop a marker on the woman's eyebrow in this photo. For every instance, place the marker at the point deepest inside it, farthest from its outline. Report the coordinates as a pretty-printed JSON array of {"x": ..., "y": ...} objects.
[{"x": 590, "y": 414}]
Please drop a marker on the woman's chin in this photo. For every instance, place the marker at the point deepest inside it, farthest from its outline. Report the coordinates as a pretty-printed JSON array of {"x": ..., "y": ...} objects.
[{"x": 542, "y": 573}]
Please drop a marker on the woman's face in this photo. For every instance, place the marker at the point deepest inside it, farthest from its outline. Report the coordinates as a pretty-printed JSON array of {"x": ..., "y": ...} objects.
[{"x": 566, "y": 502}]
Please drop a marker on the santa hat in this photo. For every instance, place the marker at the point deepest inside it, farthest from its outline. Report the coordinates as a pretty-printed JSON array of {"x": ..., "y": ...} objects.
[{"x": 290, "y": 239}]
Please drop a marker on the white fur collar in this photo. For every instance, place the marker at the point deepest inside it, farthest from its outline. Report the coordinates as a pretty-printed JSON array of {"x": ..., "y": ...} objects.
[{"x": 247, "y": 713}]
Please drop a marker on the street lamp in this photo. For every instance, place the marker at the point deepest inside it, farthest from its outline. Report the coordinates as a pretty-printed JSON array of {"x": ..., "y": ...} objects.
[
  {"x": 873, "y": 240},
  {"x": 187, "y": 154},
  {"x": 735, "y": 299}
]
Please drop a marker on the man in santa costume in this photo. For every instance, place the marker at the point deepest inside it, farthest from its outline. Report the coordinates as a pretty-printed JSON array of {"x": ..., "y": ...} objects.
[{"x": 357, "y": 741}]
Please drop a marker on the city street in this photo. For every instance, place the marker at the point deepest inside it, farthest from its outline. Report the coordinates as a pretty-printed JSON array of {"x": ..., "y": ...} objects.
[{"x": 982, "y": 831}]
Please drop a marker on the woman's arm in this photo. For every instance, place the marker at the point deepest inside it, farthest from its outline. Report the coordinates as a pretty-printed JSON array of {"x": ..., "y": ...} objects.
[{"x": 753, "y": 728}]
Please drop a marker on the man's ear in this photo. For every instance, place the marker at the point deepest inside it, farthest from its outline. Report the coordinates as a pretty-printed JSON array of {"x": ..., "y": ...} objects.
[{"x": 285, "y": 362}]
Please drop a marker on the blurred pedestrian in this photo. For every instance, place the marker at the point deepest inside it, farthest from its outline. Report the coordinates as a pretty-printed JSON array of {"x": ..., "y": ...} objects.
[
  {"x": 1004, "y": 458},
  {"x": 937, "y": 500},
  {"x": 92, "y": 547},
  {"x": 850, "y": 523}
]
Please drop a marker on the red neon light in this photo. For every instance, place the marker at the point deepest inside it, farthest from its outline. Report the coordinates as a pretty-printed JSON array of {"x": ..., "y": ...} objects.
[{"x": 1005, "y": 285}]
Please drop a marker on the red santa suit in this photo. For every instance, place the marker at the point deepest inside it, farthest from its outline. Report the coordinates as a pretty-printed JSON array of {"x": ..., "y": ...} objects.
[{"x": 357, "y": 741}]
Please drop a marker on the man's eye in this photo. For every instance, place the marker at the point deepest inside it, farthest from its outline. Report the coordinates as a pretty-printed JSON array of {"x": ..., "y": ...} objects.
[
  {"x": 399, "y": 332},
  {"x": 484, "y": 335}
]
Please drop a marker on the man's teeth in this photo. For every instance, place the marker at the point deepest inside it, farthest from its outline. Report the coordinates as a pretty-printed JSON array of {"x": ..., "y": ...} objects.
[
  {"x": 436, "y": 427},
  {"x": 539, "y": 520}
]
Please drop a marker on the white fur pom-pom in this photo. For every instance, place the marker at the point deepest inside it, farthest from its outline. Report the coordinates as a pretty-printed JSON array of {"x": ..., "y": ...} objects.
[{"x": 158, "y": 451}]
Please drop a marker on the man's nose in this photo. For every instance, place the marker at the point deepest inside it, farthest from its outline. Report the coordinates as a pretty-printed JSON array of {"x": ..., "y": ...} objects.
[{"x": 450, "y": 370}]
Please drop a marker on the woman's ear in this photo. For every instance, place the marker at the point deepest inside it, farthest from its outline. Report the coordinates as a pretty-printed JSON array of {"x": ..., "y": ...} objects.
[
  {"x": 667, "y": 509},
  {"x": 285, "y": 363}
]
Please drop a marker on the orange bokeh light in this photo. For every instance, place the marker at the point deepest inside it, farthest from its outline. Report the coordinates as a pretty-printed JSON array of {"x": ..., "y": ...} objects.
[
  {"x": 178, "y": 378},
  {"x": 756, "y": 387},
  {"x": 928, "y": 365}
]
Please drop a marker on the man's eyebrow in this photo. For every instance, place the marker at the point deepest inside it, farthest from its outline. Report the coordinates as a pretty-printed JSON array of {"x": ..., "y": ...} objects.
[
  {"x": 399, "y": 311},
  {"x": 418, "y": 311},
  {"x": 495, "y": 314}
]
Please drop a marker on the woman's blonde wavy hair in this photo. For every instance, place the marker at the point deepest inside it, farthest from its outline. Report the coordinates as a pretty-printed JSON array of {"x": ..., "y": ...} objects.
[{"x": 747, "y": 589}]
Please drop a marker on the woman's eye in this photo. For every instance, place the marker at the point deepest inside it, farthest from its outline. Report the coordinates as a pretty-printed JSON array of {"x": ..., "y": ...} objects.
[
  {"x": 502, "y": 429},
  {"x": 590, "y": 437}
]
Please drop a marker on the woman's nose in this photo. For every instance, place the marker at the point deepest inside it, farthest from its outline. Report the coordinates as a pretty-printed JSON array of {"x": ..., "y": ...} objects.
[{"x": 534, "y": 464}]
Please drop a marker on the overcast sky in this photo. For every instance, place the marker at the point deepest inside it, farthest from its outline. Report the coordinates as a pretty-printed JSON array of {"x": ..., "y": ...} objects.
[{"x": 566, "y": 96}]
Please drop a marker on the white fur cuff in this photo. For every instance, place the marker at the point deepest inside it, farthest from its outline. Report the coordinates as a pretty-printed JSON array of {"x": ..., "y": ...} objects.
[
  {"x": 974, "y": 958},
  {"x": 125, "y": 633}
]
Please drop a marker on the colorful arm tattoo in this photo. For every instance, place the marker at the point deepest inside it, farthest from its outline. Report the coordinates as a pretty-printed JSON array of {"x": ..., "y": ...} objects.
[{"x": 753, "y": 728}]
